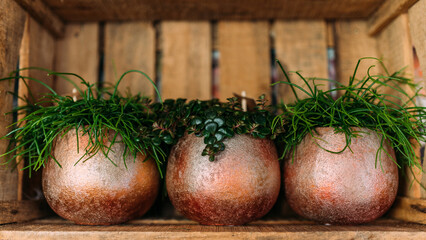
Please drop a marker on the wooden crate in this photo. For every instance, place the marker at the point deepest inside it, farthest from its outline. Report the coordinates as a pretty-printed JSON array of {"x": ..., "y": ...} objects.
[{"x": 177, "y": 43}]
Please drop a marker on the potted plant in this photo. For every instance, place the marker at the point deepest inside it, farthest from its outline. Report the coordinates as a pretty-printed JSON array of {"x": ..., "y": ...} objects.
[
  {"x": 224, "y": 169},
  {"x": 342, "y": 155},
  {"x": 100, "y": 164}
]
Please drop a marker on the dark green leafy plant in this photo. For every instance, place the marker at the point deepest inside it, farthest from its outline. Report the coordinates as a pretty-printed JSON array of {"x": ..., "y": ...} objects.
[
  {"x": 364, "y": 103},
  {"x": 97, "y": 112},
  {"x": 212, "y": 120}
]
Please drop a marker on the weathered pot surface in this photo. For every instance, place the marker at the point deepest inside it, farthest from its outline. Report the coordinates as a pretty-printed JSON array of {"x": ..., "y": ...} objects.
[
  {"x": 345, "y": 188},
  {"x": 241, "y": 185},
  {"x": 95, "y": 192}
]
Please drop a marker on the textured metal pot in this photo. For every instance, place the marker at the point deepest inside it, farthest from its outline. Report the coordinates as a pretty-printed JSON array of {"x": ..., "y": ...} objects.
[
  {"x": 241, "y": 185},
  {"x": 345, "y": 188},
  {"x": 96, "y": 192}
]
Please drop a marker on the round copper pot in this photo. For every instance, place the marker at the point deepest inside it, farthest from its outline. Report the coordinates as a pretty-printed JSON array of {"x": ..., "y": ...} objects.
[
  {"x": 345, "y": 188},
  {"x": 241, "y": 185},
  {"x": 95, "y": 192}
]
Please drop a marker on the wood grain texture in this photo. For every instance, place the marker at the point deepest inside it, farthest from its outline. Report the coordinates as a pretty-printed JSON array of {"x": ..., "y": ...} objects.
[
  {"x": 387, "y": 12},
  {"x": 417, "y": 19},
  {"x": 172, "y": 229},
  {"x": 395, "y": 48},
  {"x": 244, "y": 62},
  {"x": 187, "y": 61},
  {"x": 37, "y": 50},
  {"x": 130, "y": 46},
  {"x": 77, "y": 52},
  {"x": 44, "y": 15},
  {"x": 409, "y": 209},
  {"x": 353, "y": 43},
  {"x": 97, "y": 10},
  {"x": 12, "y": 24},
  {"x": 301, "y": 46},
  {"x": 20, "y": 211}
]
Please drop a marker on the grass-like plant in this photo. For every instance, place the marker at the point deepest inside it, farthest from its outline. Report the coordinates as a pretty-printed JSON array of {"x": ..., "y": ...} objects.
[
  {"x": 95, "y": 113},
  {"x": 362, "y": 103}
]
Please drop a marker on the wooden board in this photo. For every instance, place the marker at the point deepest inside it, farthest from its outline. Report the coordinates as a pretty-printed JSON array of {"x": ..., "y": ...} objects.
[
  {"x": 187, "y": 60},
  {"x": 409, "y": 209},
  {"x": 301, "y": 46},
  {"x": 183, "y": 229},
  {"x": 387, "y": 12},
  {"x": 417, "y": 18},
  {"x": 12, "y": 24},
  {"x": 353, "y": 43},
  {"x": 42, "y": 13},
  {"x": 37, "y": 50},
  {"x": 244, "y": 62},
  {"x": 130, "y": 46},
  {"x": 20, "y": 211},
  {"x": 77, "y": 53}
]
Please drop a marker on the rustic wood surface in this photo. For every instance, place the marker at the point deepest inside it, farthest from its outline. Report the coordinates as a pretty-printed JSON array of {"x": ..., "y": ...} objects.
[
  {"x": 387, "y": 12},
  {"x": 244, "y": 63},
  {"x": 187, "y": 60},
  {"x": 395, "y": 48},
  {"x": 44, "y": 15},
  {"x": 172, "y": 229},
  {"x": 301, "y": 46},
  {"x": 77, "y": 52},
  {"x": 409, "y": 209},
  {"x": 130, "y": 46},
  {"x": 98, "y": 10},
  {"x": 12, "y": 24},
  {"x": 353, "y": 43},
  {"x": 20, "y": 211}
]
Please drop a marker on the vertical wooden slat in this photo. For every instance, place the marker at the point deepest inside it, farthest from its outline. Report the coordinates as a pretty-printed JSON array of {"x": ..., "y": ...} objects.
[
  {"x": 187, "y": 60},
  {"x": 130, "y": 46},
  {"x": 244, "y": 62},
  {"x": 12, "y": 23},
  {"x": 417, "y": 17},
  {"x": 396, "y": 49},
  {"x": 77, "y": 52},
  {"x": 37, "y": 50},
  {"x": 353, "y": 43},
  {"x": 301, "y": 46}
]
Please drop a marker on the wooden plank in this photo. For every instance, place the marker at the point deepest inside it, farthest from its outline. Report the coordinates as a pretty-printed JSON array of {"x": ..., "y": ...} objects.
[
  {"x": 42, "y": 13},
  {"x": 172, "y": 229},
  {"x": 20, "y": 211},
  {"x": 187, "y": 60},
  {"x": 98, "y": 10},
  {"x": 244, "y": 62},
  {"x": 12, "y": 25},
  {"x": 353, "y": 43},
  {"x": 387, "y": 12},
  {"x": 130, "y": 46},
  {"x": 77, "y": 52},
  {"x": 301, "y": 46},
  {"x": 409, "y": 209},
  {"x": 417, "y": 17},
  {"x": 37, "y": 50}
]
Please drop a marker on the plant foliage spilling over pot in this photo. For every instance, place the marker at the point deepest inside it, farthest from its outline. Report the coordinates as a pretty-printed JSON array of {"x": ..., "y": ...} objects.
[
  {"x": 342, "y": 154},
  {"x": 224, "y": 169},
  {"x": 101, "y": 165}
]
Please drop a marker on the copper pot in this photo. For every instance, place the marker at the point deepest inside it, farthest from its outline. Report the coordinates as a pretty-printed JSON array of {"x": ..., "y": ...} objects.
[
  {"x": 95, "y": 192},
  {"x": 241, "y": 185},
  {"x": 345, "y": 188}
]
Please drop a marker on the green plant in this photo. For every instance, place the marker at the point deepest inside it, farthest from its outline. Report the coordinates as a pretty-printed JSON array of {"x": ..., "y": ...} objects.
[
  {"x": 99, "y": 110},
  {"x": 364, "y": 103},
  {"x": 213, "y": 120}
]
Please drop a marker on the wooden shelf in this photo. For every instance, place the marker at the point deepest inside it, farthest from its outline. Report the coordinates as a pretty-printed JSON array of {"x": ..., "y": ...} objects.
[{"x": 56, "y": 228}]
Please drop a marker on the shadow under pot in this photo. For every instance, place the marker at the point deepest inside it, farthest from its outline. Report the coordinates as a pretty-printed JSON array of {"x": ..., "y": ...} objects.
[
  {"x": 345, "y": 188},
  {"x": 239, "y": 186},
  {"x": 95, "y": 192}
]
